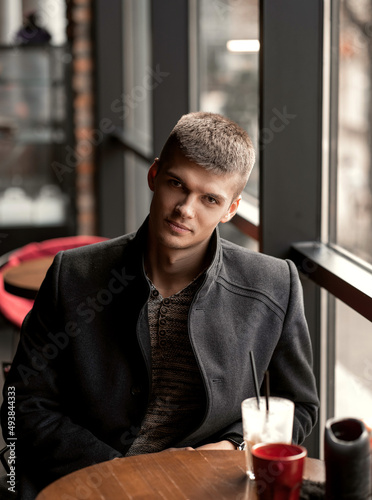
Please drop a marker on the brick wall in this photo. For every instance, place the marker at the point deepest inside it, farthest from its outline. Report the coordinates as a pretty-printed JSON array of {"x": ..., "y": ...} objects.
[{"x": 79, "y": 15}]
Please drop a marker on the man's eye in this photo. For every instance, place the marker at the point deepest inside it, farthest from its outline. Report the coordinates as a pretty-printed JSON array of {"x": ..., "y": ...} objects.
[
  {"x": 174, "y": 183},
  {"x": 211, "y": 200}
]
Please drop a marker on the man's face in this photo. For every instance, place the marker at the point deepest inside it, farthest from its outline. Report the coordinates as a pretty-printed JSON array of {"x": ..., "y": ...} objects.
[{"x": 188, "y": 202}]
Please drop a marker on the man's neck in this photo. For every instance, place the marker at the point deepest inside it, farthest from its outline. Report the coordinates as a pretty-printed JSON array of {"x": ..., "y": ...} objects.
[{"x": 171, "y": 270}]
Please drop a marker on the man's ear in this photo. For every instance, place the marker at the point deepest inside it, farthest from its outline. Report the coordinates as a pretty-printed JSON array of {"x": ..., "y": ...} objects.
[
  {"x": 232, "y": 210},
  {"x": 153, "y": 170}
]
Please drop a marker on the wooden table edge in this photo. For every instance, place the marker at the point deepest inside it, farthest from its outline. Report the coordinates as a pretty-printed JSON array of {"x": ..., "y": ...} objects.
[{"x": 314, "y": 469}]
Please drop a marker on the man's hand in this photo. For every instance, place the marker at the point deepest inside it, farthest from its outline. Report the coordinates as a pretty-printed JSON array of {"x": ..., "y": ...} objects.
[
  {"x": 188, "y": 448},
  {"x": 221, "y": 445}
]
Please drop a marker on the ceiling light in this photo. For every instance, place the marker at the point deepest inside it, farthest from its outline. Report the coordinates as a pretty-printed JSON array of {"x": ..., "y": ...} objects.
[{"x": 243, "y": 45}]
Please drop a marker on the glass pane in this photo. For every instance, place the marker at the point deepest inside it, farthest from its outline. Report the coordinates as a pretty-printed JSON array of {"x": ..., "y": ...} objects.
[
  {"x": 136, "y": 116},
  {"x": 136, "y": 98},
  {"x": 353, "y": 377},
  {"x": 33, "y": 135},
  {"x": 228, "y": 65},
  {"x": 354, "y": 173}
]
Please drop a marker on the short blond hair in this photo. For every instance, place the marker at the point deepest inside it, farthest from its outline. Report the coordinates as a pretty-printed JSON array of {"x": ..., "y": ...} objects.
[{"x": 214, "y": 142}]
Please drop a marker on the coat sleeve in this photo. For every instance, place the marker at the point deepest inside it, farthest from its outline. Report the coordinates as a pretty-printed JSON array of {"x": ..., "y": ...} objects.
[
  {"x": 287, "y": 354},
  {"x": 291, "y": 370},
  {"x": 49, "y": 444}
]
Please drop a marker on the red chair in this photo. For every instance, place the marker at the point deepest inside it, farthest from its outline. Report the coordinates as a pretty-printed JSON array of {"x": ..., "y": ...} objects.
[{"x": 15, "y": 308}]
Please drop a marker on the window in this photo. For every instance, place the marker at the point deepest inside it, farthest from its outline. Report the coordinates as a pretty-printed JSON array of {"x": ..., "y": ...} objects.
[
  {"x": 349, "y": 206},
  {"x": 353, "y": 366},
  {"x": 351, "y": 226},
  {"x": 228, "y": 84},
  {"x": 228, "y": 65}
]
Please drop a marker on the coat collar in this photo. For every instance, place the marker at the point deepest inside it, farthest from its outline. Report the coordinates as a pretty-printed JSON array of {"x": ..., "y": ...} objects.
[{"x": 215, "y": 247}]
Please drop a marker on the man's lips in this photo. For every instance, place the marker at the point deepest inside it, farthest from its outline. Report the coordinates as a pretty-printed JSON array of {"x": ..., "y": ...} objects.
[{"x": 177, "y": 227}]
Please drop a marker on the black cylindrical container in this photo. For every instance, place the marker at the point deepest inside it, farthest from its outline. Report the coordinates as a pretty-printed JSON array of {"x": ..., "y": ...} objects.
[{"x": 347, "y": 460}]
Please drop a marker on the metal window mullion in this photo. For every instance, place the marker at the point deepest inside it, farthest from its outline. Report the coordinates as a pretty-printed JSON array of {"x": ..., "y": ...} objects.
[
  {"x": 331, "y": 356},
  {"x": 333, "y": 120},
  {"x": 107, "y": 33},
  {"x": 170, "y": 57},
  {"x": 331, "y": 353}
]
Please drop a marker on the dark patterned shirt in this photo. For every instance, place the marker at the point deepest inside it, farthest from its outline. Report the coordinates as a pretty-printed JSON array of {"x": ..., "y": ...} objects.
[{"x": 177, "y": 396}]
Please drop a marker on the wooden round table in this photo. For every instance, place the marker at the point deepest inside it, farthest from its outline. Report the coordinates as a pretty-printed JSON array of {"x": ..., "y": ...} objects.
[
  {"x": 25, "y": 279},
  {"x": 170, "y": 475}
]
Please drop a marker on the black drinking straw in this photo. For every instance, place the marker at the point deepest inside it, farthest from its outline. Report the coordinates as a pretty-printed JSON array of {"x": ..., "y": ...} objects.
[
  {"x": 267, "y": 390},
  {"x": 254, "y": 373}
]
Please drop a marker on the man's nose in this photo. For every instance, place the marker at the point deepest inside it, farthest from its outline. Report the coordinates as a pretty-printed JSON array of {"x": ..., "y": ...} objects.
[{"x": 186, "y": 207}]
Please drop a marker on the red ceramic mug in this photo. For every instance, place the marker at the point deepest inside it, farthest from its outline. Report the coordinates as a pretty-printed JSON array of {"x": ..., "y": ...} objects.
[{"x": 278, "y": 470}]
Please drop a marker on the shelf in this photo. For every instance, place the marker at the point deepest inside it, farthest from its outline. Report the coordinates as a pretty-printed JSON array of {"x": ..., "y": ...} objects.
[
  {"x": 38, "y": 137},
  {"x": 42, "y": 136}
]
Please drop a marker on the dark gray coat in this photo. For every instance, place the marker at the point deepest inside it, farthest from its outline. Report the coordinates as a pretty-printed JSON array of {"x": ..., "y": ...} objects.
[{"x": 82, "y": 372}]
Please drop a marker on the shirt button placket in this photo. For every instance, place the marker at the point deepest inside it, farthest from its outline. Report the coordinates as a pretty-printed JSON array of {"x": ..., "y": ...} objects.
[{"x": 163, "y": 322}]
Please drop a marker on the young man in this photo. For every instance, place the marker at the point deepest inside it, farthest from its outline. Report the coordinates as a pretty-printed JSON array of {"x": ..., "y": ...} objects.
[{"x": 141, "y": 343}]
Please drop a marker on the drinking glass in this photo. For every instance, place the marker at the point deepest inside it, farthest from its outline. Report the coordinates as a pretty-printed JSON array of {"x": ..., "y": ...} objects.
[
  {"x": 260, "y": 426},
  {"x": 278, "y": 470}
]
